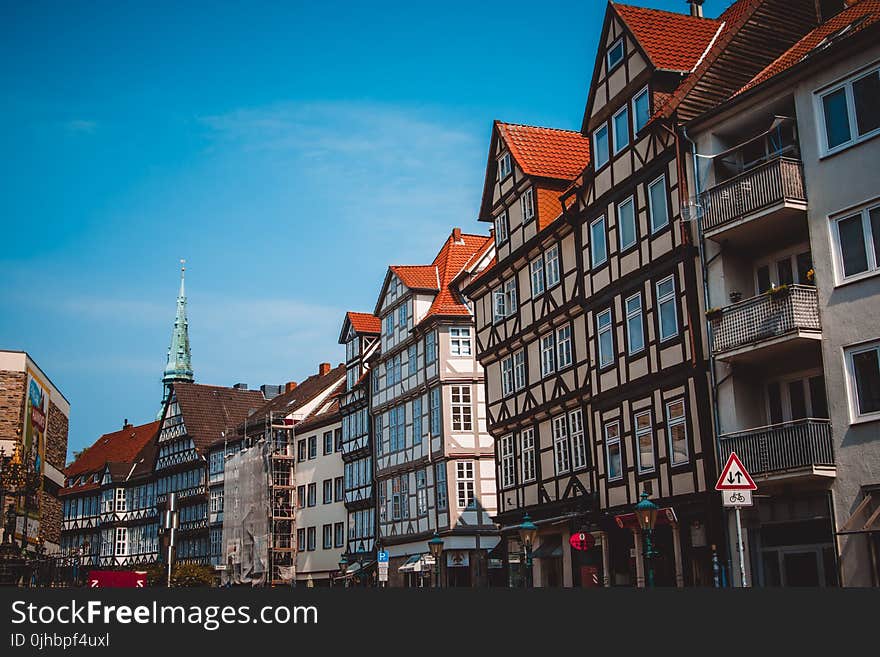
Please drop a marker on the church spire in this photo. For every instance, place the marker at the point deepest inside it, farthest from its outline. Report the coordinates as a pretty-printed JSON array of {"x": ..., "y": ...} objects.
[{"x": 179, "y": 365}]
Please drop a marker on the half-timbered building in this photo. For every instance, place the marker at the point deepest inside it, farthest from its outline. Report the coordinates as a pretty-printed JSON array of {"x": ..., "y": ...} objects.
[
  {"x": 360, "y": 335},
  {"x": 434, "y": 458},
  {"x": 531, "y": 341}
]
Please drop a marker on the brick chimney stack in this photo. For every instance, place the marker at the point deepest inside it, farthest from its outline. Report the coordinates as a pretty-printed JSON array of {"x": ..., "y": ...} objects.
[
  {"x": 696, "y": 7},
  {"x": 324, "y": 369},
  {"x": 290, "y": 385},
  {"x": 456, "y": 235}
]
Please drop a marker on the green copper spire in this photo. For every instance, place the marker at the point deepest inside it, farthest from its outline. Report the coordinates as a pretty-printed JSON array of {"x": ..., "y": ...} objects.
[{"x": 179, "y": 366}]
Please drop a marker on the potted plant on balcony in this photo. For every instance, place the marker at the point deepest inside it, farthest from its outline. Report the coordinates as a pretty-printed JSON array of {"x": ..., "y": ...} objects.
[
  {"x": 811, "y": 276},
  {"x": 778, "y": 291},
  {"x": 714, "y": 314}
]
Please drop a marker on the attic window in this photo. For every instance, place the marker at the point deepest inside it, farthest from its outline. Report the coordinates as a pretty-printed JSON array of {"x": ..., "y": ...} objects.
[
  {"x": 504, "y": 166},
  {"x": 615, "y": 54}
]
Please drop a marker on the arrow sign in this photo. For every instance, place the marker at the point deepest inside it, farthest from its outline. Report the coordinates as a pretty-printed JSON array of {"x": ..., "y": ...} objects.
[{"x": 734, "y": 476}]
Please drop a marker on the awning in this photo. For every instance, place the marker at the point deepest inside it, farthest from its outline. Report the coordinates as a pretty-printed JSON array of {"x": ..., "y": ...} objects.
[
  {"x": 665, "y": 516},
  {"x": 417, "y": 563},
  {"x": 353, "y": 570},
  {"x": 866, "y": 518},
  {"x": 551, "y": 547}
]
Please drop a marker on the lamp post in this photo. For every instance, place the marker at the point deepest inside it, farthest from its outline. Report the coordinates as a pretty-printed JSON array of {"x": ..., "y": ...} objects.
[
  {"x": 646, "y": 513},
  {"x": 527, "y": 533},
  {"x": 435, "y": 545},
  {"x": 343, "y": 568}
]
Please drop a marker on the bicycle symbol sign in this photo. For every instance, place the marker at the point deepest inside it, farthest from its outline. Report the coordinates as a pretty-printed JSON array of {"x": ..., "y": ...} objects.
[{"x": 737, "y": 497}]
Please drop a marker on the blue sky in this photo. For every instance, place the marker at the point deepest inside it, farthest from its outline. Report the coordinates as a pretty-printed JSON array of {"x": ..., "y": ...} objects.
[{"x": 289, "y": 151}]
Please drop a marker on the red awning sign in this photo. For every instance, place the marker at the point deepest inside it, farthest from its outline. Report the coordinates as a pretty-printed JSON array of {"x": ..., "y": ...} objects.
[
  {"x": 734, "y": 476},
  {"x": 581, "y": 541},
  {"x": 100, "y": 579}
]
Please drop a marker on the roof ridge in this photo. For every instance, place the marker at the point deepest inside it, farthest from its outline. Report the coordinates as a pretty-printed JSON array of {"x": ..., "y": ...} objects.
[
  {"x": 538, "y": 127},
  {"x": 666, "y": 11}
]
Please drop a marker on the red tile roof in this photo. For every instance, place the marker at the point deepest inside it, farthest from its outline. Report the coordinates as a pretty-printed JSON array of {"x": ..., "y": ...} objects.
[
  {"x": 417, "y": 277},
  {"x": 546, "y": 152},
  {"x": 672, "y": 41},
  {"x": 364, "y": 322},
  {"x": 457, "y": 252},
  {"x": 117, "y": 447},
  {"x": 208, "y": 411},
  {"x": 860, "y": 15}
]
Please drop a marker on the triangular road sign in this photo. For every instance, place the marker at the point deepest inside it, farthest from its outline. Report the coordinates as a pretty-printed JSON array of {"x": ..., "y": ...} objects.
[{"x": 734, "y": 476}]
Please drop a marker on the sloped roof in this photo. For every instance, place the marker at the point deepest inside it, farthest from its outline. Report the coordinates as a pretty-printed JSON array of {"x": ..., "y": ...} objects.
[
  {"x": 364, "y": 322},
  {"x": 288, "y": 402},
  {"x": 546, "y": 152},
  {"x": 208, "y": 411},
  {"x": 458, "y": 251},
  {"x": 856, "y": 18},
  {"x": 117, "y": 447},
  {"x": 326, "y": 412},
  {"x": 417, "y": 277},
  {"x": 672, "y": 41}
]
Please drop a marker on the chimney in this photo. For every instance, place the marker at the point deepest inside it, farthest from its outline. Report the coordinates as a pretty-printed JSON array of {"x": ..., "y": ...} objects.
[
  {"x": 456, "y": 235},
  {"x": 126, "y": 425},
  {"x": 324, "y": 369},
  {"x": 696, "y": 7},
  {"x": 270, "y": 391},
  {"x": 290, "y": 385},
  {"x": 240, "y": 386}
]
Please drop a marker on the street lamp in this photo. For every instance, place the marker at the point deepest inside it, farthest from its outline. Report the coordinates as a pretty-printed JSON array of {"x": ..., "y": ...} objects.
[
  {"x": 646, "y": 514},
  {"x": 343, "y": 567},
  {"x": 436, "y": 547},
  {"x": 527, "y": 533}
]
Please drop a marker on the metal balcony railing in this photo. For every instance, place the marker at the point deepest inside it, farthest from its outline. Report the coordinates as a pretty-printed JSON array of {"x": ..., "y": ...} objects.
[
  {"x": 779, "y": 447},
  {"x": 778, "y": 180},
  {"x": 769, "y": 315}
]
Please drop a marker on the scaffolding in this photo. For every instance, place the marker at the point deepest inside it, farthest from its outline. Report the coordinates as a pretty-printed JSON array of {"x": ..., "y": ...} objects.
[{"x": 259, "y": 509}]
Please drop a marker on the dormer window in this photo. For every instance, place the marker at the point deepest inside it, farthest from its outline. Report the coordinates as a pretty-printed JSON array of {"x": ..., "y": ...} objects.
[
  {"x": 505, "y": 166},
  {"x": 528, "y": 205},
  {"x": 615, "y": 54}
]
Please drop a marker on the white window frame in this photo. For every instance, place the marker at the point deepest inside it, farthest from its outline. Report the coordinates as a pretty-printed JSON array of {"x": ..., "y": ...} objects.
[
  {"x": 873, "y": 258},
  {"x": 609, "y": 65},
  {"x": 609, "y": 442},
  {"x": 601, "y": 329},
  {"x": 631, "y": 202},
  {"x": 640, "y": 433},
  {"x": 673, "y": 422},
  {"x": 578, "y": 442},
  {"x": 120, "y": 504},
  {"x": 460, "y": 341},
  {"x": 617, "y": 148},
  {"x": 120, "y": 542},
  {"x": 637, "y": 315},
  {"x": 536, "y": 274},
  {"x": 464, "y": 485},
  {"x": 499, "y": 304},
  {"x": 599, "y": 162},
  {"x": 462, "y": 408},
  {"x": 661, "y": 180},
  {"x": 856, "y": 416},
  {"x": 528, "y": 470},
  {"x": 507, "y": 461},
  {"x": 595, "y": 262},
  {"x": 510, "y": 300},
  {"x": 548, "y": 354},
  {"x": 635, "y": 114},
  {"x": 551, "y": 267},
  {"x": 669, "y": 297},
  {"x": 505, "y": 165},
  {"x": 519, "y": 370},
  {"x": 561, "y": 454},
  {"x": 564, "y": 356},
  {"x": 527, "y": 204},
  {"x": 507, "y": 385},
  {"x": 501, "y": 228},
  {"x": 847, "y": 85}
]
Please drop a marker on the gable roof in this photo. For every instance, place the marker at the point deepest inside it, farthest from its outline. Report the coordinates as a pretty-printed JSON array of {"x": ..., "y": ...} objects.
[
  {"x": 326, "y": 413},
  {"x": 417, "y": 277},
  {"x": 672, "y": 41},
  {"x": 116, "y": 447},
  {"x": 208, "y": 411},
  {"x": 292, "y": 400},
  {"x": 364, "y": 322},
  {"x": 546, "y": 152},
  {"x": 859, "y": 16},
  {"x": 459, "y": 250}
]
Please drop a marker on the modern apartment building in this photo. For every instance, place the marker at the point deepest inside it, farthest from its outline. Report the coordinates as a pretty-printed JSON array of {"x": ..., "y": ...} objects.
[
  {"x": 434, "y": 457},
  {"x": 789, "y": 205}
]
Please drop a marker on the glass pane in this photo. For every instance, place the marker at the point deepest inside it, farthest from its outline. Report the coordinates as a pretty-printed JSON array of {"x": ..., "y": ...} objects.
[
  {"x": 641, "y": 111},
  {"x": 634, "y": 331},
  {"x": 797, "y": 399},
  {"x": 818, "y": 399},
  {"x": 852, "y": 245},
  {"x": 597, "y": 242},
  {"x": 774, "y": 401},
  {"x": 668, "y": 321},
  {"x": 783, "y": 269},
  {"x": 614, "y": 461},
  {"x": 606, "y": 348},
  {"x": 627, "y": 224},
  {"x": 875, "y": 232},
  {"x": 867, "y": 372},
  {"x": 621, "y": 130},
  {"x": 836, "y": 118},
  {"x": 659, "y": 212},
  {"x": 866, "y": 94},
  {"x": 601, "y": 146},
  {"x": 646, "y": 452},
  {"x": 804, "y": 264}
]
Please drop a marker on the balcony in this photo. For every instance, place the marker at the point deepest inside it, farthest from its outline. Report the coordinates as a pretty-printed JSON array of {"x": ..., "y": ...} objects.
[
  {"x": 757, "y": 205},
  {"x": 801, "y": 448},
  {"x": 771, "y": 325}
]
